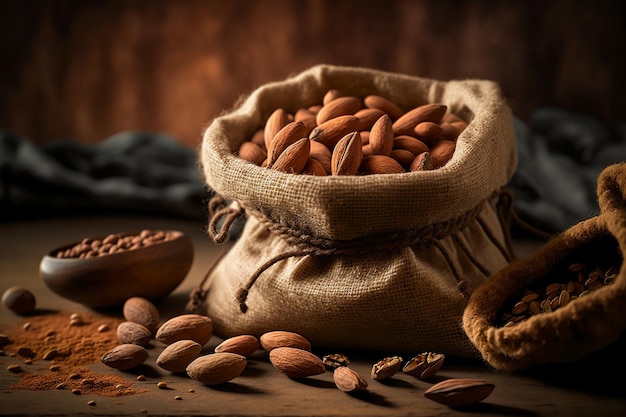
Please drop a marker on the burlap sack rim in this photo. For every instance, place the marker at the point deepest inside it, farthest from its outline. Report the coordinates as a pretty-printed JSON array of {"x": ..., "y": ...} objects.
[
  {"x": 575, "y": 330},
  {"x": 223, "y": 171}
]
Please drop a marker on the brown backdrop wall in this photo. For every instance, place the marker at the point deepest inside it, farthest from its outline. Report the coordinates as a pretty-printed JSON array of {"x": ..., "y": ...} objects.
[{"x": 88, "y": 69}]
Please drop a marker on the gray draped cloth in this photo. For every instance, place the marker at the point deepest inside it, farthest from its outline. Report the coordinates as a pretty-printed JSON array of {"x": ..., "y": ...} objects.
[
  {"x": 136, "y": 172},
  {"x": 560, "y": 156}
]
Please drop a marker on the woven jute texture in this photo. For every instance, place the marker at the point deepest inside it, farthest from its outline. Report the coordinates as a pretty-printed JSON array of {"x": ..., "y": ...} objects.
[
  {"x": 372, "y": 262},
  {"x": 583, "y": 326}
]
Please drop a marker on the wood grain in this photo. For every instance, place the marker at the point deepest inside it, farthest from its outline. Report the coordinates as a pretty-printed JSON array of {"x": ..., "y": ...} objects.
[{"x": 87, "y": 70}]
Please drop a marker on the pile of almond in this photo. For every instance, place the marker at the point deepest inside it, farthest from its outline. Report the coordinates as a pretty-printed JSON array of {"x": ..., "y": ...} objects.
[
  {"x": 348, "y": 135},
  {"x": 185, "y": 336}
]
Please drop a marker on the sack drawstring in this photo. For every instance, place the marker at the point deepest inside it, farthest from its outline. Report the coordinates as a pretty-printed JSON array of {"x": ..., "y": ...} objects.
[
  {"x": 217, "y": 211},
  {"x": 242, "y": 293},
  {"x": 310, "y": 245}
]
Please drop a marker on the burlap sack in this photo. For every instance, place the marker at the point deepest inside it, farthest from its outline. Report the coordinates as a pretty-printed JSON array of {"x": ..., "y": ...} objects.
[
  {"x": 384, "y": 262},
  {"x": 584, "y": 325}
]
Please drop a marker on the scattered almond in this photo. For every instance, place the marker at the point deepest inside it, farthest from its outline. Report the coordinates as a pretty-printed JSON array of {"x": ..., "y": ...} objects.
[
  {"x": 177, "y": 356},
  {"x": 296, "y": 363},
  {"x": 131, "y": 332},
  {"x": 244, "y": 345},
  {"x": 194, "y": 327},
  {"x": 125, "y": 356},
  {"x": 216, "y": 368},
  {"x": 348, "y": 380},
  {"x": 141, "y": 311},
  {"x": 459, "y": 392},
  {"x": 281, "y": 338}
]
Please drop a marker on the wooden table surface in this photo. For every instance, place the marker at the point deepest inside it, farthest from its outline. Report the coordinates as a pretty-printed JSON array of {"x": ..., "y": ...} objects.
[{"x": 592, "y": 387}]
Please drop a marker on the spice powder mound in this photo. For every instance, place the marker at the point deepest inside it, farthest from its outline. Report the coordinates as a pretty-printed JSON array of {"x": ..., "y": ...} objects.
[{"x": 65, "y": 344}]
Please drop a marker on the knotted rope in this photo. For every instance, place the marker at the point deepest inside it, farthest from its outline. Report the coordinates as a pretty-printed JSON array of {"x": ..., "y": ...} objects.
[{"x": 308, "y": 244}]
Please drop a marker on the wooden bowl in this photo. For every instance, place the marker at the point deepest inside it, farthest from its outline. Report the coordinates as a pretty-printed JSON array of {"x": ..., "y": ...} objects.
[{"x": 152, "y": 272}]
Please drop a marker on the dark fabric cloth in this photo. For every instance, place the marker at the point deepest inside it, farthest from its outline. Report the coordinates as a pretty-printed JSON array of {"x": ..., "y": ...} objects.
[
  {"x": 140, "y": 172},
  {"x": 560, "y": 157}
]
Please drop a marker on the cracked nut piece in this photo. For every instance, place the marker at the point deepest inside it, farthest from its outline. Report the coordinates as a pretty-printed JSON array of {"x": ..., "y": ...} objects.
[
  {"x": 386, "y": 368},
  {"x": 216, "y": 368},
  {"x": 458, "y": 392},
  {"x": 348, "y": 380},
  {"x": 335, "y": 360},
  {"x": 296, "y": 363},
  {"x": 424, "y": 365}
]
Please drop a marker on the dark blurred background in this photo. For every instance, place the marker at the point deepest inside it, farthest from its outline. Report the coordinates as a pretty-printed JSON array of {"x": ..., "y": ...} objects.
[
  {"x": 89, "y": 69},
  {"x": 103, "y": 102}
]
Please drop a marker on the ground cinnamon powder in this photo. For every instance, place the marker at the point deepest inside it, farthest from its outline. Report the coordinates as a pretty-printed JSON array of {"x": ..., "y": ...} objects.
[{"x": 56, "y": 348}]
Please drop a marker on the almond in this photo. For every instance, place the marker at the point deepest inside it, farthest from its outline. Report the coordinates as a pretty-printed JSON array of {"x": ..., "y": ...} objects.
[
  {"x": 331, "y": 131},
  {"x": 367, "y": 118},
  {"x": 330, "y": 95},
  {"x": 381, "y": 136},
  {"x": 307, "y": 117},
  {"x": 296, "y": 363},
  {"x": 216, "y": 368},
  {"x": 432, "y": 112},
  {"x": 365, "y": 136},
  {"x": 441, "y": 152},
  {"x": 380, "y": 164},
  {"x": 141, "y": 311},
  {"x": 314, "y": 167},
  {"x": 458, "y": 392},
  {"x": 321, "y": 153},
  {"x": 131, "y": 332},
  {"x": 411, "y": 144},
  {"x": 427, "y": 132},
  {"x": 194, "y": 327},
  {"x": 315, "y": 108},
  {"x": 404, "y": 157},
  {"x": 125, "y": 356},
  {"x": 178, "y": 355},
  {"x": 287, "y": 136},
  {"x": 294, "y": 158},
  {"x": 282, "y": 338},
  {"x": 252, "y": 152},
  {"x": 244, "y": 345},
  {"x": 366, "y": 150},
  {"x": 449, "y": 131},
  {"x": 348, "y": 380},
  {"x": 340, "y": 106},
  {"x": 258, "y": 138},
  {"x": 387, "y": 106},
  {"x": 277, "y": 120},
  {"x": 347, "y": 155},
  {"x": 422, "y": 162}
]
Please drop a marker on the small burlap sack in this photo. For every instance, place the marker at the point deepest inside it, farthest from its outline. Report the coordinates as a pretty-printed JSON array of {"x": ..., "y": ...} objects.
[
  {"x": 582, "y": 326},
  {"x": 381, "y": 262}
]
